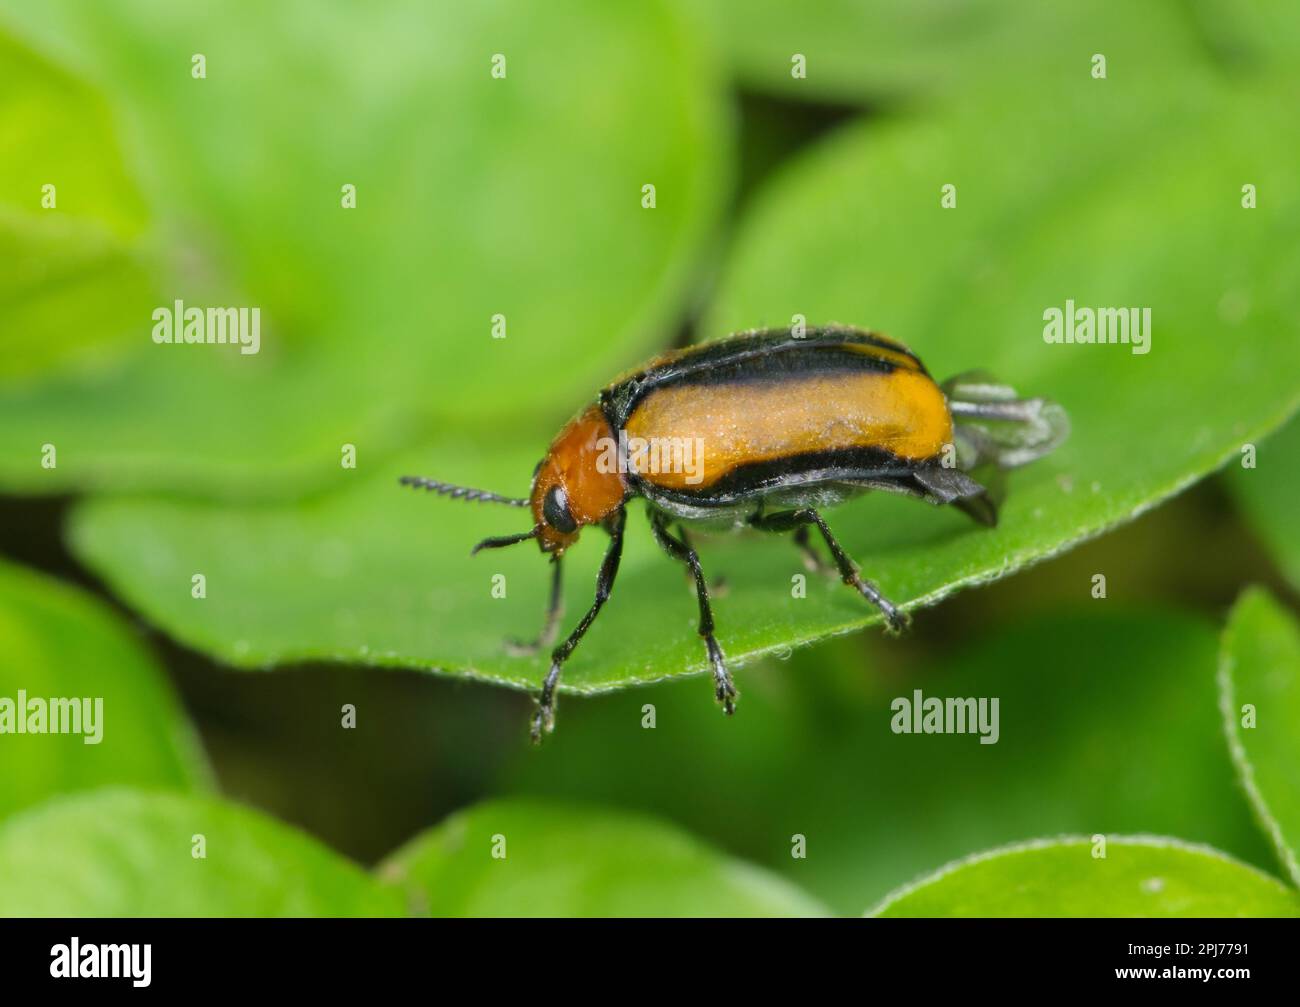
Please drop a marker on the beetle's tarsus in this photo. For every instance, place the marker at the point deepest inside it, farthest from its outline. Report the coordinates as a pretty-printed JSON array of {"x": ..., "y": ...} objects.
[
  {"x": 724, "y": 689},
  {"x": 543, "y": 721},
  {"x": 544, "y": 717},
  {"x": 895, "y": 619}
]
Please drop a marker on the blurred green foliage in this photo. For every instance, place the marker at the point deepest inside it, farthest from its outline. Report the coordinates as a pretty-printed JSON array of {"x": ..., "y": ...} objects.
[
  {"x": 522, "y": 196},
  {"x": 123, "y": 852},
  {"x": 475, "y": 197},
  {"x": 1132, "y": 876},
  {"x": 904, "y": 52},
  {"x": 72, "y": 288},
  {"x": 546, "y": 859},
  {"x": 1269, "y": 494},
  {"x": 1259, "y": 675},
  {"x": 58, "y": 643}
]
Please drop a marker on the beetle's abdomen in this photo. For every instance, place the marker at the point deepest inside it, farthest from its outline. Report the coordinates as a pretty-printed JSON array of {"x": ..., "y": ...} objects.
[{"x": 794, "y": 402}]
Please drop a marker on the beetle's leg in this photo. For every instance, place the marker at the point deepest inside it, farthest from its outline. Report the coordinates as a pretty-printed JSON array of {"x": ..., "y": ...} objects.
[
  {"x": 788, "y": 520},
  {"x": 681, "y": 549},
  {"x": 811, "y": 557},
  {"x": 554, "y": 610},
  {"x": 544, "y": 720}
]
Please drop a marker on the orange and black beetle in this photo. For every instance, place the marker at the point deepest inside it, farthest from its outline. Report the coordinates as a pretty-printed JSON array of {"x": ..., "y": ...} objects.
[{"x": 762, "y": 430}]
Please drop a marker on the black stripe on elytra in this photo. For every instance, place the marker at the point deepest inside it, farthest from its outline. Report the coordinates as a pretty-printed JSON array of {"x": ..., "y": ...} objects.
[
  {"x": 758, "y": 339},
  {"x": 756, "y": 479},
  {"x": 758, "y": 356}
]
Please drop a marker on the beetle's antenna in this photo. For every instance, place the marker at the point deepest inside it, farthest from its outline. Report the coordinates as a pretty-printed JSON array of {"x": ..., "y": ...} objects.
[
  {"x": 460, "y": 492},
  {"x": 505, "y": 540}
]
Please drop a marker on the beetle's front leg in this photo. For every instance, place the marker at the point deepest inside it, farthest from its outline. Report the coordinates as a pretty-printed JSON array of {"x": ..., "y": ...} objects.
[
  {"x": 544, "y": 720},
  {"x": 551, "y": 627},
  {"x": 681, "y": 549}
]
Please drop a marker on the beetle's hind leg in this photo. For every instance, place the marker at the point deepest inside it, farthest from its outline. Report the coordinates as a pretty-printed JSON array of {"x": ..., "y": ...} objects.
[
  {"x": 812, "y": 559},
  {"x": 551, "y": 627},
  {"x": 800, "y": 519},
  {"x": 681, "y": 549}
]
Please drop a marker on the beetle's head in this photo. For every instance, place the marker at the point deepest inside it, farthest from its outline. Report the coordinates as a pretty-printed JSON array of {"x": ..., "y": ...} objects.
[{"x": 575, "y": 485}]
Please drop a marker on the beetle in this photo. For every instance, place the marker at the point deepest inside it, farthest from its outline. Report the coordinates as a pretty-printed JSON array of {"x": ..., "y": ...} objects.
[{"x": 763, "y": 430}]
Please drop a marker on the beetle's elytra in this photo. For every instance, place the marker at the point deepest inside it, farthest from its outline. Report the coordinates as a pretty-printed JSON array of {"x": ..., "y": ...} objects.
[{"x": 763, "y": 430}]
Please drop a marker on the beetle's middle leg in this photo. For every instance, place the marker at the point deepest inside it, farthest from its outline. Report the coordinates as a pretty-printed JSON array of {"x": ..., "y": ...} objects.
[
  {"x": 681, "y": 549},
  {"x": 800, "y": 519}
]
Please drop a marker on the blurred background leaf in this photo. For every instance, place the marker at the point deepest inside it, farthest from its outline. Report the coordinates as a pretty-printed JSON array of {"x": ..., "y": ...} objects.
[
  {"x": 579, "y": 861},
  {"x": 1269, "y": 494},
  {"x": 890, "y": 51},
  {"x": 1139, "y": 876},
  {"x": 121, "y": 852},
  {"x": 57, "y": 642},
  {"x": 1259, "y": 681},
  {"x": 72, "y": 288},
  {"x": 520, "y": 197}
]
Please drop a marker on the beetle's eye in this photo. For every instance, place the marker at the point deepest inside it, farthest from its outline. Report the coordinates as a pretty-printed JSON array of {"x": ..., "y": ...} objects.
[{"x": 555, "y": 509}]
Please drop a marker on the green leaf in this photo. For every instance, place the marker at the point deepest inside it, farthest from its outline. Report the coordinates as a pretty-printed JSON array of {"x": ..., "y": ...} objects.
[
  {"x": 56, "y": 643},
  {"x": 380, "y": 575},
  {"x": 856, "y": 51},
  {"x": 122, "y": 852},
  {"x": 475, "y": 197},
  {"x": 1147, "y": 876},
  {"x": 1259, "y": 682},
  {"x": 1253, "y": 35},
  {"x": 529, "y": 858},
  {"x": 1269, "y": 492},
  {"x": 72, "y": 283},
  {"x": 1108, "y": 721}
]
